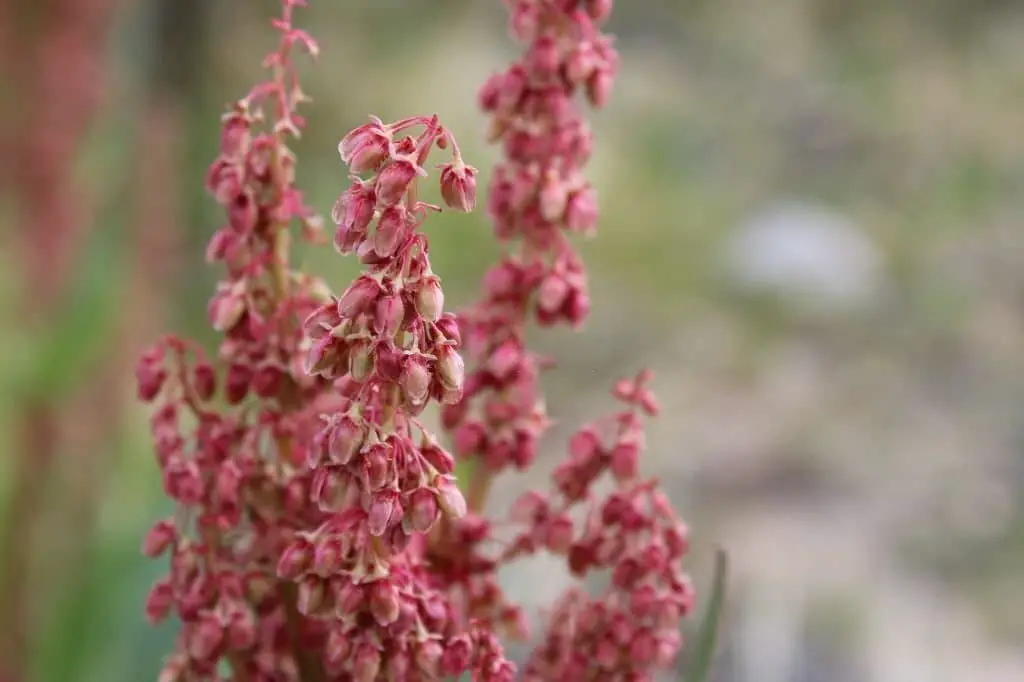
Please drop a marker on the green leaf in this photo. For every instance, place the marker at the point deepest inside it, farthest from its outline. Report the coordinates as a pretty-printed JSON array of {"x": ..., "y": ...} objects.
[{"x": 704, "y": 651}]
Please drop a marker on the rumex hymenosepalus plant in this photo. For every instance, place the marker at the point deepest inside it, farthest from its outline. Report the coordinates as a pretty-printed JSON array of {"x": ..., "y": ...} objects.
[{"x": 320, "y": 533}]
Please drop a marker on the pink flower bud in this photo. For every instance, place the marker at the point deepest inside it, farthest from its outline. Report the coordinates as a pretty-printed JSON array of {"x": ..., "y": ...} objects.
[
  {"x": 457, "y": 655},
  {"x": 366, "y": 147},
  {"x": 558, "y": 534},
  {"x": 242, "y": 213},
  {"x": 449, "y": 497},
  {"x": 360, "y": 297},
  {"x": 543, "y": 58},
  {"x": 584, "y": 444},
  {"x": 332, "y": 489},
  {"x": 394, "y": 180},
  {"x": 377, "y": 460},
  {"x": 415, "y": 380},
  {"x": 470, "y": 438},
  {"x": 267, "y": 381},
  {"x": 581, "y": 211},
  {"x": 161, "y": 536},
  {"x": 553, "y": 198},
  {"x": 428, "y": 657},
  {"x": 448, "y": 325},
  {"x": 437, "y": 457},
  {"x": 384, "y": 602},
  {"x": 361, "y": 361},
  {"x": 384, "y": 509},
  {"x": 328, "y": 556},
  {"x": 312, "y": 596},
  {"x": 337, "y": 648},
  {"x": 430, "y": 298},
  {"x": 530, "y": 507},
  {"x": 321, "y": 356},
  {"x": 352, "y": 213},
  {"x": 345, "y": 439},
  {"x": 159, "y": 601},
  {"x": 450, "y": 369},
  {"x": 204, "y": 639},
  {"x": 149, "y": 378},
  {"x": 554, "y": 291},
  {"x": 237, "y": 383},
  {"x": 422, "y": 511},
  {"x": 599, "y": 86},
  {"x": 234, "y": 133},
  {"x": 389, "y": 315},
  {"x": 241, "y": 630},
  {"x": 599, "y": 10},
  {"x": 204, "y": 381},
  {"x": 225, "y": 309},
  {"x": 296, "y": 559},
  {"x": 392, "y": 228},
  {"x": 365, "y": 663},
  {"x": 624, "y": 461},
  {"x": 458, "y": 186}
]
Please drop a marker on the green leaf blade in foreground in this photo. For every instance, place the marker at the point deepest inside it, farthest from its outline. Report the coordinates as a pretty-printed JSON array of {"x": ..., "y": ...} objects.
[{"x": 703, "y": 657}]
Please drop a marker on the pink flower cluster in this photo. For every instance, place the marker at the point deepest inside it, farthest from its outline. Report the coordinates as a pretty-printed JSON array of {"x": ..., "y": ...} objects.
[
  {"x": 538, "y": 196},
  {"x": 320, "y": 532}
]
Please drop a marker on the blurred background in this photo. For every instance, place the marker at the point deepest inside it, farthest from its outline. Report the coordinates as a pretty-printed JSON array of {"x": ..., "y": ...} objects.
[{"x": 811, "y": 231}]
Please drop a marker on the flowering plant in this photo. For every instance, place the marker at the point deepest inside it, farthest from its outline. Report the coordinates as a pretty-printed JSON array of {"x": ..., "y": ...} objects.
[{"x": 321, "y": 533}]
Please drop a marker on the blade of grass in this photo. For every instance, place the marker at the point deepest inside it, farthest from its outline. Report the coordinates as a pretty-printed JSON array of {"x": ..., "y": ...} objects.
[{"x": 704, "y": 651}]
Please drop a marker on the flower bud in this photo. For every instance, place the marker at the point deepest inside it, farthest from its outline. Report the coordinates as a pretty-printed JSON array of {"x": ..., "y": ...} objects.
[
  {"x": 366, "y": 663},
  {"x": 449, "y": 497},
  {"x": 430, "y": 298},
  {"x": 360, "y": 297},
  {"x": 159, "y": 601},
  {"x": 448, "y": 325},
  {"x": 389, "y": 314},
  {"x": 428, "y": 657},
  {"x": 337, "y": 648},
  {"x": 328, "y": 556},
  {"x": 204, "y": 380},
  {"x": 242, "y": 213},
  {"x": 599, "y": 86},
  {"x": 204, "y": 638},
  {"x": 296, "y": 559},
  {"x": 161, "y": 536},
  {"x": 321, "y": 356},
  {"x": 394, "y": 180},
  {"x": 312, "y": 595},
  {"x": 345, "y": 439},
  {"x": 415, "y": 380},
  {"x": 437, "y": 457},
  {"x": 422, "y": 511},
  {"x": 450, "y": 369},
  {"x": 361, "y": 361},
  {"x": 543, "y": 58},
  {"x": 625, "y": 460},
  {"x": 241, "y": 630},
  {"x": 225, "y": 309},
  {"x": 554, "y": 291},
  {"x": 266, "y": 381},
  {"x": 150, "y": 378},
  {"x": 581, "y": 211},
  {"x": 470, "y": 438},
  {"x": 384, "y": 602},
  {"x": 458, "y": 186},
  {"x": 392, "y": 228},
  {"x": 237, "y": 383},
  {"x": 366, "y": 147},
  {"x": 558, "y": 534},
  {"x": 382, "y": 512}
]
